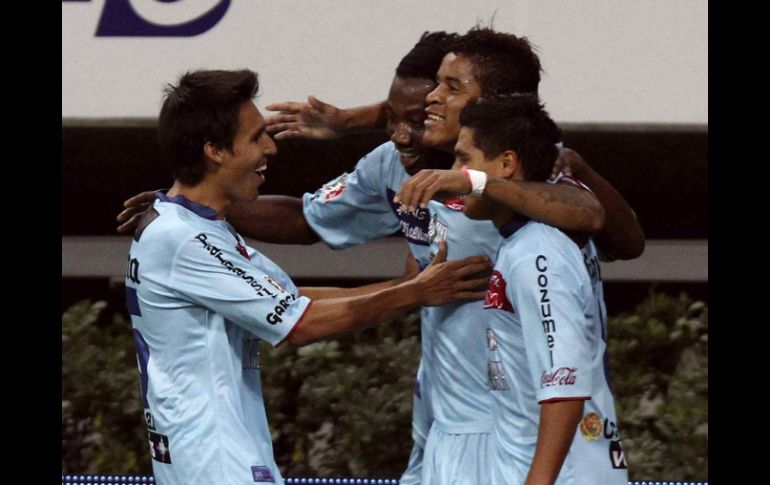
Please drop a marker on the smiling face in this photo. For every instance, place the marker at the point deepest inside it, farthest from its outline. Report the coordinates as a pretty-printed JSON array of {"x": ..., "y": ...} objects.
[
  {"x": 406, "y": 113},
  {"x": 457, "y": 86},
  {"x": 241, "y": 169}
]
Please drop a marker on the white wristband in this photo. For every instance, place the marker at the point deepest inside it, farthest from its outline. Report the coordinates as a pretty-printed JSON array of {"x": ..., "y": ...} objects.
[{"x": 477, "y": 179}]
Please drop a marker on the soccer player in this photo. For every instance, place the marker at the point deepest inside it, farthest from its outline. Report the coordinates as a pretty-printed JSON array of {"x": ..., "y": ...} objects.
[
  {"x": 554, "y": 415},
  {"x": 358, "y": 207},
  {"x": 201, "y": 300}
]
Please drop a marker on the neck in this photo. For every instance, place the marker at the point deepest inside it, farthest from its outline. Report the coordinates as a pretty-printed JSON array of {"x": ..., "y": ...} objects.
[
  {"x": 202, "y": 194},
  {"x": 502, "y": 215}
]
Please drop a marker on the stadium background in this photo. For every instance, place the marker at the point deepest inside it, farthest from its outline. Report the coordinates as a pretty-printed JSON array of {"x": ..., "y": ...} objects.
[{"x": 628, "y": 82}]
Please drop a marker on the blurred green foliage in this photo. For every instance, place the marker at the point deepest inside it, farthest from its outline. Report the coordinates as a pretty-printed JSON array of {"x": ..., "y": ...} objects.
[{"x": 343, "y": 407}]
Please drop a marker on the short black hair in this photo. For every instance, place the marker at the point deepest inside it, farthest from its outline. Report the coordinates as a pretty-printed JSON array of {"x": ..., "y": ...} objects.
[
  {"x": 204, "y": 107},
  {"x": 515, "y": 122},
  {"x": 502, "y": 62},
  {"x": 425, "y": 57}
]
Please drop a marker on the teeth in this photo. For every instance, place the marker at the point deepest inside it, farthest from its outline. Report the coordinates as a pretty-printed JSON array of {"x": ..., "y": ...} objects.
[{"x": 434, "y": 117}]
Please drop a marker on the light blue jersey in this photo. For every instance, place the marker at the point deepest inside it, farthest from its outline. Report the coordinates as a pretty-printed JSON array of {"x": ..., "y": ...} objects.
[
  {"x": 200, "y": 303},
  {"x": 358, "y": 207},
  {"x": 546, "y": 341}
]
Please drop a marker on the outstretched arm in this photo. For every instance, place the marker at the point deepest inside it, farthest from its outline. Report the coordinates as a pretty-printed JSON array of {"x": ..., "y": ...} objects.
[
  {"x": 440, "y": 283},
  {"x": 622, "y": 236},
  {"x": 322, "y": 121},
  {"x": 321, "y": 293},
  {"x": 566, "y": 207},
  {"x": 272, "y": 218}
]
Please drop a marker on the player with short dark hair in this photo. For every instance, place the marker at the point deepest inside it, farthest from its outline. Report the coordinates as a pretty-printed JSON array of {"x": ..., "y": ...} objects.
[
  {"x": 546, "y": 335},
  {"x": 201, "y": 300}
]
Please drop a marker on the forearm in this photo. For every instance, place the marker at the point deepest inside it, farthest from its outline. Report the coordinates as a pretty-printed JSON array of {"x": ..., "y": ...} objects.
[
  {"x": 568, "y": 208},
  {"x": 365, "y": 117},
  {"x": 274, "y": 219},
  {"x": 558, "y": 424},
  {"x": 322, "y": 293},
  {"x": 336, "y": 315},
  {"x": 622, "y": 236}
]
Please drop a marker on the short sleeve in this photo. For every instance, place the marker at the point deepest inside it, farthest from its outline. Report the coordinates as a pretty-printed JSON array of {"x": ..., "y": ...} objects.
[
  {"x": 353, "y": 208},
  {"x": 547, "y": 294},
  {"x": 209, "y": 271}
]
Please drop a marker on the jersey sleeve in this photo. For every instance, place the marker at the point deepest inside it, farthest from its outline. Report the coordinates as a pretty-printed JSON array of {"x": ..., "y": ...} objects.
[
  {"x": 353, "y": 208},
  {"x": 547, "y": 294},
  {"x": 209, "y": 271}
]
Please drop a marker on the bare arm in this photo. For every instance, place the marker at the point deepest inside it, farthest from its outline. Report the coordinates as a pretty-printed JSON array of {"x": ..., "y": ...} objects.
[
  {"x": 318, "y": 120},
  {"x": 562, "y": 206},
  {"x": 274, "y": 219},
  {"x": 440, "y": 283},
  {"x": 622, "y": 236},
  {"x": 321, "y": 293},
  {"x": 558, "y": 423}
]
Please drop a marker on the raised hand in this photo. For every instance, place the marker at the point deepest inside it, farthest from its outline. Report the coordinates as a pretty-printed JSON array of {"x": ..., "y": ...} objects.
[
  {"x": 429, "y": 184},
  {"x": 313, "y": 119},
  {"x": 134, "y": 207},
  {"x": 445, "y": 281}
]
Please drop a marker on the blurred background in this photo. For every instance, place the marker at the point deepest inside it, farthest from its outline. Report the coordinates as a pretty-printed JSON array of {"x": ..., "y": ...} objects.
[{"x": 626, "y": 81}]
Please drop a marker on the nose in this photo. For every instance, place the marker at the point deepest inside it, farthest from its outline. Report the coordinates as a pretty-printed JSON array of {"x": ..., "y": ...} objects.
[
  {"x": 402, "y": 135},
  {"x": 434, "y": 97},
  {"x": 270, "y": 146}
]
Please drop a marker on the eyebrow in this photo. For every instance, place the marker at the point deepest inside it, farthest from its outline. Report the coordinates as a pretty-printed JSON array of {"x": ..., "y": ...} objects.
[
  {"x": 459, "y": 153},
  {"x": 259, "y": 132}
]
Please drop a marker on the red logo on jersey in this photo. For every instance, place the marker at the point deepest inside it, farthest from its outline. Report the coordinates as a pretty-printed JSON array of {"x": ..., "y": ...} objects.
[
  {"x": 455, "y": 203},
  {"x": 242, "y": 249},
  {"x": 563, "y": 376},
  {"x": 496, "y": 293}
]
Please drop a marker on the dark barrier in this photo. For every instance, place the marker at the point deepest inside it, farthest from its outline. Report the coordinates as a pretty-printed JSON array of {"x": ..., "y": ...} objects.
[{"x": 662, "y": 170}]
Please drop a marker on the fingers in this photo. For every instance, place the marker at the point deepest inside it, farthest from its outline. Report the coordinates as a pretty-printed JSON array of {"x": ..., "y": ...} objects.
[
  {"x": 319, "y": 105},
  {"x": 128, "y": 227},
  {"x": 470, "y": 295},
  {"x": 126, "y": 214},
  {"x": 139, "y": 199},
  {"x": 464, "y": 269},
  {"x": 411, "y": 193},
  {"x": 289, "y": 106},
  {"x": 479, "y": 283},
  {"x": 281, "y": 118},
  {"x": 279, "y": 127},
  {"x": 285, "y": 135}
]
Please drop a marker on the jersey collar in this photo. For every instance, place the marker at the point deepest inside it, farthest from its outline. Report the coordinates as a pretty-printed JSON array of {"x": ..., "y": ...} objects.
[
  {"x": 510, "y": 227},
  {"x": 202, "y": 210}
]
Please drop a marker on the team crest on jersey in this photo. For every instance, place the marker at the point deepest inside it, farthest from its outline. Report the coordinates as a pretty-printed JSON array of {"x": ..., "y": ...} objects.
[
  {"x": 591, "y": 426},
  {"x": 274, "y": 284},
  {"x": 332, "y": 190},
  {"x": 495, "y": 297},
  {"x": 456, "y": 203}
]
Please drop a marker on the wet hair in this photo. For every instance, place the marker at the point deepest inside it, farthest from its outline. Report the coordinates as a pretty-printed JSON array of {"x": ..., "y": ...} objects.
[
  {"x": 515, "y": 122},
  {"x": 502, "y": 62},
  {"x": 425, "y": 57},
  {"x": 204, "y": 107}
]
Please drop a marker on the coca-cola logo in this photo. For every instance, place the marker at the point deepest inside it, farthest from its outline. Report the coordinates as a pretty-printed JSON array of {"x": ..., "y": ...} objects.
[
  {"x": 495, "y": 297},
  {"x": 563, "y": 376}
]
